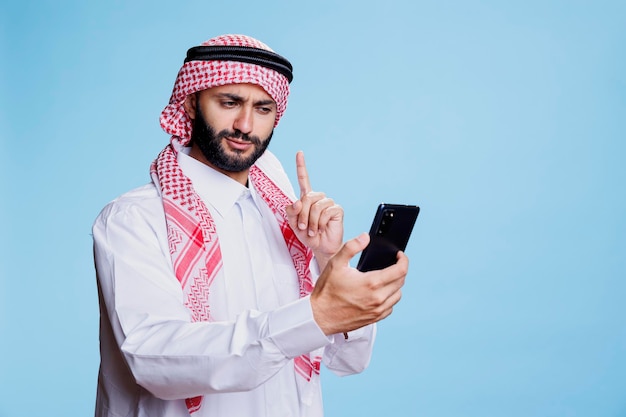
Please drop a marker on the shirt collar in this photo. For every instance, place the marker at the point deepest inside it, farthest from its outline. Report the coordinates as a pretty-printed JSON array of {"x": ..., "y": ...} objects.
[{"x": 213, "y": 187}]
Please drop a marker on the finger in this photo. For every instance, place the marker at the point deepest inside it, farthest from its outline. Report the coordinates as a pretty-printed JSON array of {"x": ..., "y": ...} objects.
[
  {"x": 402, "y": 265},
  {"x": 332, "y": 213},
  {"x": 394, "y": 276},
  {"x": 293, "y": 210},
  {"x": 351, "y": 248},
  {"x": 387, "y": 312},
  {"x": 308, "y": 200},
  {"x": 317, "y": 217},
  {"x": 303, "y": 175},
  {"x": 397, "y": 270},
  {"x": 390, "y": 303}
]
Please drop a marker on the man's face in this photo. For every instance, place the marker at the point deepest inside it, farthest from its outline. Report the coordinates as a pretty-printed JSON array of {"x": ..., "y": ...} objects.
[{"x": 233, "y": 125}]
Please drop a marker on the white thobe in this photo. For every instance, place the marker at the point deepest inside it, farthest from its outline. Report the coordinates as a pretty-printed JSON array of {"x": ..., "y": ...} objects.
[{"x": 153, "y": 356}]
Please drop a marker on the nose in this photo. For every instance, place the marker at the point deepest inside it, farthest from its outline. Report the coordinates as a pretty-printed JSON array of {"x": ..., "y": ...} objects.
[{"x": 243, "y": 121}]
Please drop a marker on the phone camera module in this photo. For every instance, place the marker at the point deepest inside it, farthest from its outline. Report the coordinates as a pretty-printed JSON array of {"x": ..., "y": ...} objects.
[{"x": 386, "y": 221}]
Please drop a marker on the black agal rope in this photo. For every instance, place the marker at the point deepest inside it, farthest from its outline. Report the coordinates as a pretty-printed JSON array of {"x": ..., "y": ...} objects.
[{"x": 250, "y": 55}]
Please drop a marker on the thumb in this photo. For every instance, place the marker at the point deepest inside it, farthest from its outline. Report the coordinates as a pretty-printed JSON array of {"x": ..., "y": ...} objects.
[{"x": 352, "y": 247}]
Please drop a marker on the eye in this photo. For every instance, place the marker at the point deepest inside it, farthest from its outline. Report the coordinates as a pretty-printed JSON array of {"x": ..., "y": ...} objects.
[
  {"x": 229, "y": 104},
  {"x": 265, "y": 110}
]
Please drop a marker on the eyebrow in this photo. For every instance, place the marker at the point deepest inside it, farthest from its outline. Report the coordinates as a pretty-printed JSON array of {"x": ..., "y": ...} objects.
[
  {"x": 265, "y": 102},
  {"x": 237, "y": 98}
]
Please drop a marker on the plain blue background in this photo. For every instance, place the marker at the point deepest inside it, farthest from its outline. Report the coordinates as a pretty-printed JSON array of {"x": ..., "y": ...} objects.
[{"x": 504, "y": 121}]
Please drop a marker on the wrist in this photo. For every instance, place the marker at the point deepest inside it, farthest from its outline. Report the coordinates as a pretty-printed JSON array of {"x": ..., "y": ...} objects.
[
  {"x": 322, "y": 260},
  {"x": 318, "y": 316},
  {"x": 324, "y": 256}
]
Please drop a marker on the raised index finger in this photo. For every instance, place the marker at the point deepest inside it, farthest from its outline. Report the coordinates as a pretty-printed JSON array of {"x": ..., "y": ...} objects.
[{"x": 303, "y": 175}]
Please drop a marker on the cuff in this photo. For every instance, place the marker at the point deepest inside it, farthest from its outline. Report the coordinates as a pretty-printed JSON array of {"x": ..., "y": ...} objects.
[
  {"x": 294, "y": 331},
  {"x": 353, "y": 335}
]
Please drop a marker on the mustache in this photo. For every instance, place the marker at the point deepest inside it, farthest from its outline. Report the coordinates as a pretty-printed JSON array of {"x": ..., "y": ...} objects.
[{"x": 237, "y": 134}]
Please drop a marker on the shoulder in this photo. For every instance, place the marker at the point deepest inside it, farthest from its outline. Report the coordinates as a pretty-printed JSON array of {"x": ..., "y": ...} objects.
[
  {"x": 140, "y": 203},
  {"x": 269, "y": 162},
  {"x": 271, "y": 166}
]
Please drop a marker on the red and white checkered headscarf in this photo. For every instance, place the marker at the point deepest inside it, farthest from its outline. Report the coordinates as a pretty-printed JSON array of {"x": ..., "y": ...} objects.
[{"x": 196, "y": 76}]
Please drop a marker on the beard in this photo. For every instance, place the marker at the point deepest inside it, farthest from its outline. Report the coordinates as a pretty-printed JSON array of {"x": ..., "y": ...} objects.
[{"x": 210, "y": 143}]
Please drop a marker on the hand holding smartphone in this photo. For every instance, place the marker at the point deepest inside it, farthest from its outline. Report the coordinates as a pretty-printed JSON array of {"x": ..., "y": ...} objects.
[{"x": 390, "y": 232}]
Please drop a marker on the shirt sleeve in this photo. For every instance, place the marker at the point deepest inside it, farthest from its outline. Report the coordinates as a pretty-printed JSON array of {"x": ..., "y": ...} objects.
[
  {"x": 167, "y": 353},
  {"x": 351, "y": 355}
]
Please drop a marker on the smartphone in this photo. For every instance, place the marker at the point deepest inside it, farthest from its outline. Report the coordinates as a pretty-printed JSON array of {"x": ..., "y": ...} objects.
[{"x": 390, "y": 232}]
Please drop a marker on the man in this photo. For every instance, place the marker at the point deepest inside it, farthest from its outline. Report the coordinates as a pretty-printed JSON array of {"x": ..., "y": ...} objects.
[{"x": 206, "y": 275}]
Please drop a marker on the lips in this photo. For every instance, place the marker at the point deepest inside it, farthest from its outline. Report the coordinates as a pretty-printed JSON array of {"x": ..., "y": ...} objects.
[{"x": 239, "y": 144}]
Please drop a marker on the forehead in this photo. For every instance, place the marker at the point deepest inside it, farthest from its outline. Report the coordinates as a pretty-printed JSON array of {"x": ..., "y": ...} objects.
[{"x": 245, "y": 91}]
